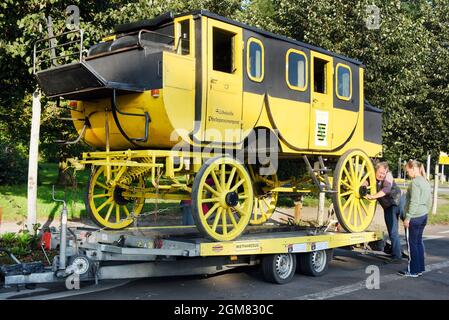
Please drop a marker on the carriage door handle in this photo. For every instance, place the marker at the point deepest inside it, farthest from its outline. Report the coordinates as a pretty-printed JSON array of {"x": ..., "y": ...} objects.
[{"x": 213, "y": 81}]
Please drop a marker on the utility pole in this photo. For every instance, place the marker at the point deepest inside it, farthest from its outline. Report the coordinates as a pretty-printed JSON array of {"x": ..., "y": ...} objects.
[
  {"x": 428, "y": 166},
  {"x": 399, "y": 168},
  {"x": 33, "y": 159},
  {"x": 435, "y": 190},
  {"x": 34, "y": 140}
]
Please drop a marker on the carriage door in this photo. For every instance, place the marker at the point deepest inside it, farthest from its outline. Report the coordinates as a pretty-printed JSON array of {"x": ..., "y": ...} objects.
[
  {"x": 224, "y": 83},
  {"x": 320, "y": 133}
]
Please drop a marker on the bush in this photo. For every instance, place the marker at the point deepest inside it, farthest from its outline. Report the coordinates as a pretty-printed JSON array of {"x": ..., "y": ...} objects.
[
  {"x": 20, "y": 244},
  {"x": 13, "y": 164}
]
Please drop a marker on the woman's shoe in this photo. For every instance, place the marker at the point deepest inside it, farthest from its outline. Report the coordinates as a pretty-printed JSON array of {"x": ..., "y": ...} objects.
[{"x": 405, "y": 273}]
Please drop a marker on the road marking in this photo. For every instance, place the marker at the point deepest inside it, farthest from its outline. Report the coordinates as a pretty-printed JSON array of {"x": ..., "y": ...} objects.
[
  {"x": 10, "y": 294},
  {"x": 86, "y": 290},
  {"x": 432, "y": 237},
  {"x": 342, "y": 290},
  {"x": 447, "y": 231}
]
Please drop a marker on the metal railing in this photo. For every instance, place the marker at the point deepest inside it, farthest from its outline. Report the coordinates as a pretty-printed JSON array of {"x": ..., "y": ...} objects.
[
  {"x": 174, "y": 48},
  {"x": 48, "y": 53},
  {"x": 139, "y": 37}
]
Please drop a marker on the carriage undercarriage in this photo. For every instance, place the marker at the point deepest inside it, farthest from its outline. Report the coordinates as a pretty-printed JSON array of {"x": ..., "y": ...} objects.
[{"x": 225, "y": 194}]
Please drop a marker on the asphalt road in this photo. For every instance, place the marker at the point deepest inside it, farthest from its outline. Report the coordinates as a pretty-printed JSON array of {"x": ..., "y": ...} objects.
[{"x": 346, "y": 279}]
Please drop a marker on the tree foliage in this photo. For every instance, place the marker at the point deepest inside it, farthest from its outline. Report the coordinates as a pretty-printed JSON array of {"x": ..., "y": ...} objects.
[{"x": 406, "y": 58}]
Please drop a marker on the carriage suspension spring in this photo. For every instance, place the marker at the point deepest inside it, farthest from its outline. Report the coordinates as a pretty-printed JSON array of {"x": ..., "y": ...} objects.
[{"x": 133, "y": 173}]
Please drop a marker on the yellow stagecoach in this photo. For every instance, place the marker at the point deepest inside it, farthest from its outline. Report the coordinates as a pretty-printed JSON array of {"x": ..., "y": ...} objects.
[{"x": 157, "y": 96}]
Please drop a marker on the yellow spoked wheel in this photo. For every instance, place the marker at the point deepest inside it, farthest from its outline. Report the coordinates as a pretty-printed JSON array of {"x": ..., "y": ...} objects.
[
  {"x": 354, "y": 177},
  {"x": 108, "y": 206},
  {"x": 222, "y": 198},
  {"x": 264, "y": 200}
]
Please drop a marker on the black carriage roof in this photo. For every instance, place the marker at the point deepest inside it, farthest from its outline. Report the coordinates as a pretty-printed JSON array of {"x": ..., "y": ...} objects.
[{"x": 169, "y": 16}]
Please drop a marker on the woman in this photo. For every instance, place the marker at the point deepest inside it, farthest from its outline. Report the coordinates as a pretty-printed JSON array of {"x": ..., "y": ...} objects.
[
  {"x": 417, "y": 205},
  {"x": 388, "y": 195}
]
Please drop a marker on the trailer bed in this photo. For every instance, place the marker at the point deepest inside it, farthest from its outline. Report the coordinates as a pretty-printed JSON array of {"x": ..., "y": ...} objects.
[{"x": 175, "y": 251}]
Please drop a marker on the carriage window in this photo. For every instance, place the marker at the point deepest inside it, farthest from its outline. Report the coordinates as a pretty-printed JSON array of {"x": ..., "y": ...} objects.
[
  {"x": 296, "y": 70},
  {"x": 223, "y": 46},
  {"x": 255, "y": 60},
  {"x": 184, "y": 37},
  {"x": 319, "y": 75},
  {"x": 343, "y": 82}
]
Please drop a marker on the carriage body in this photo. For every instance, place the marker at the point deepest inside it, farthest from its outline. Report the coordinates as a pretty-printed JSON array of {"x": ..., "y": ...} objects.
[
  {"x": 200, "y": 80},
  {"x": 217, "y": 83}
]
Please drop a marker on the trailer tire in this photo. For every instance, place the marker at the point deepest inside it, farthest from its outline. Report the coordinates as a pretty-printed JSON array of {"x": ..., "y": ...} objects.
[
  {"x": 279, "y": 268},
  {"x": 378, "y": 245},
  {"x": 314, "y": 263}
]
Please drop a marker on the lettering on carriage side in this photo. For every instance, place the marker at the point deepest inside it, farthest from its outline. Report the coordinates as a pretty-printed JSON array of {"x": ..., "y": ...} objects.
[
  {"x": 247, "y": 246},
  {"x": 322, "y": 120},
  {"x": 215, "y": 119},
  {"x": 224, "y": 112}
]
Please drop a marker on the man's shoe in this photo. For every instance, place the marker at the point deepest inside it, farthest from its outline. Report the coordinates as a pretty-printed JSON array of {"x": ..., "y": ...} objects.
[
  {"x": 419, "y": 274},
  {"x": 407, "y": 274}
]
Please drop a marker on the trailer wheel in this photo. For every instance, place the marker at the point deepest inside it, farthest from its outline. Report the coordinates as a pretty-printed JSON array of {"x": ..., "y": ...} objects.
[
  {"x": 354, "y": 177},
  {"x": 279, "y": 268},
  {"x": 314, "y": 263},
  {"x": 378, "y": 245},
  {"x": 80, "y": 265},
  {"x": 222, "y": 198}
]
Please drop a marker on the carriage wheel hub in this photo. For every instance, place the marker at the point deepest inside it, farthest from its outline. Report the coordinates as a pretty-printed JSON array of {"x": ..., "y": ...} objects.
[
  {"x": 363, "y": 191},
  {"x": 118, "y": 196},
  {"x": 232, "y": 199}
]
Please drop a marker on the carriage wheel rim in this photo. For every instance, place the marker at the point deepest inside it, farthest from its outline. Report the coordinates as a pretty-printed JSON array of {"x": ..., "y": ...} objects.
[
  {"x": 103, "y": 203},
  {"x": 319, "y": 260},
  {"x": 356, "y": 211},
  {"x": 227, "y": 216},
  {"x": 284, "y": 265}
]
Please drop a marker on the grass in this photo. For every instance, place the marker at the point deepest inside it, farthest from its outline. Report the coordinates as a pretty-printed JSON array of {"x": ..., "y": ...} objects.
[
  {"x": 439, "y": 218},
  {"x": 442, "y": 215},
  {"x": 13, "y": 199}
]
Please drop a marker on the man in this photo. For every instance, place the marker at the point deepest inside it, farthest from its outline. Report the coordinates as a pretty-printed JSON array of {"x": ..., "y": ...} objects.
[{"x": 388, "y": 194}]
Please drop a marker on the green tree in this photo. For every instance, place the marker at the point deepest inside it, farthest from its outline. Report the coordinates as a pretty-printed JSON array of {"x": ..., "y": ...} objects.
[
  {"x": 406, "y": 58},
  {"x": 401, "y": 76}
]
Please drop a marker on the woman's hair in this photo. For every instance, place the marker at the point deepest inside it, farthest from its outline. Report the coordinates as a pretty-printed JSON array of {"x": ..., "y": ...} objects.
[
  {"x": 382, "y": 164},
  {"x": 417, "y": 164}
]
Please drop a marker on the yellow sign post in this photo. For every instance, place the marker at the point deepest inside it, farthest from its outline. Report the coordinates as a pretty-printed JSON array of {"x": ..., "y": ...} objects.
[{"x": 444, "y": 158}]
